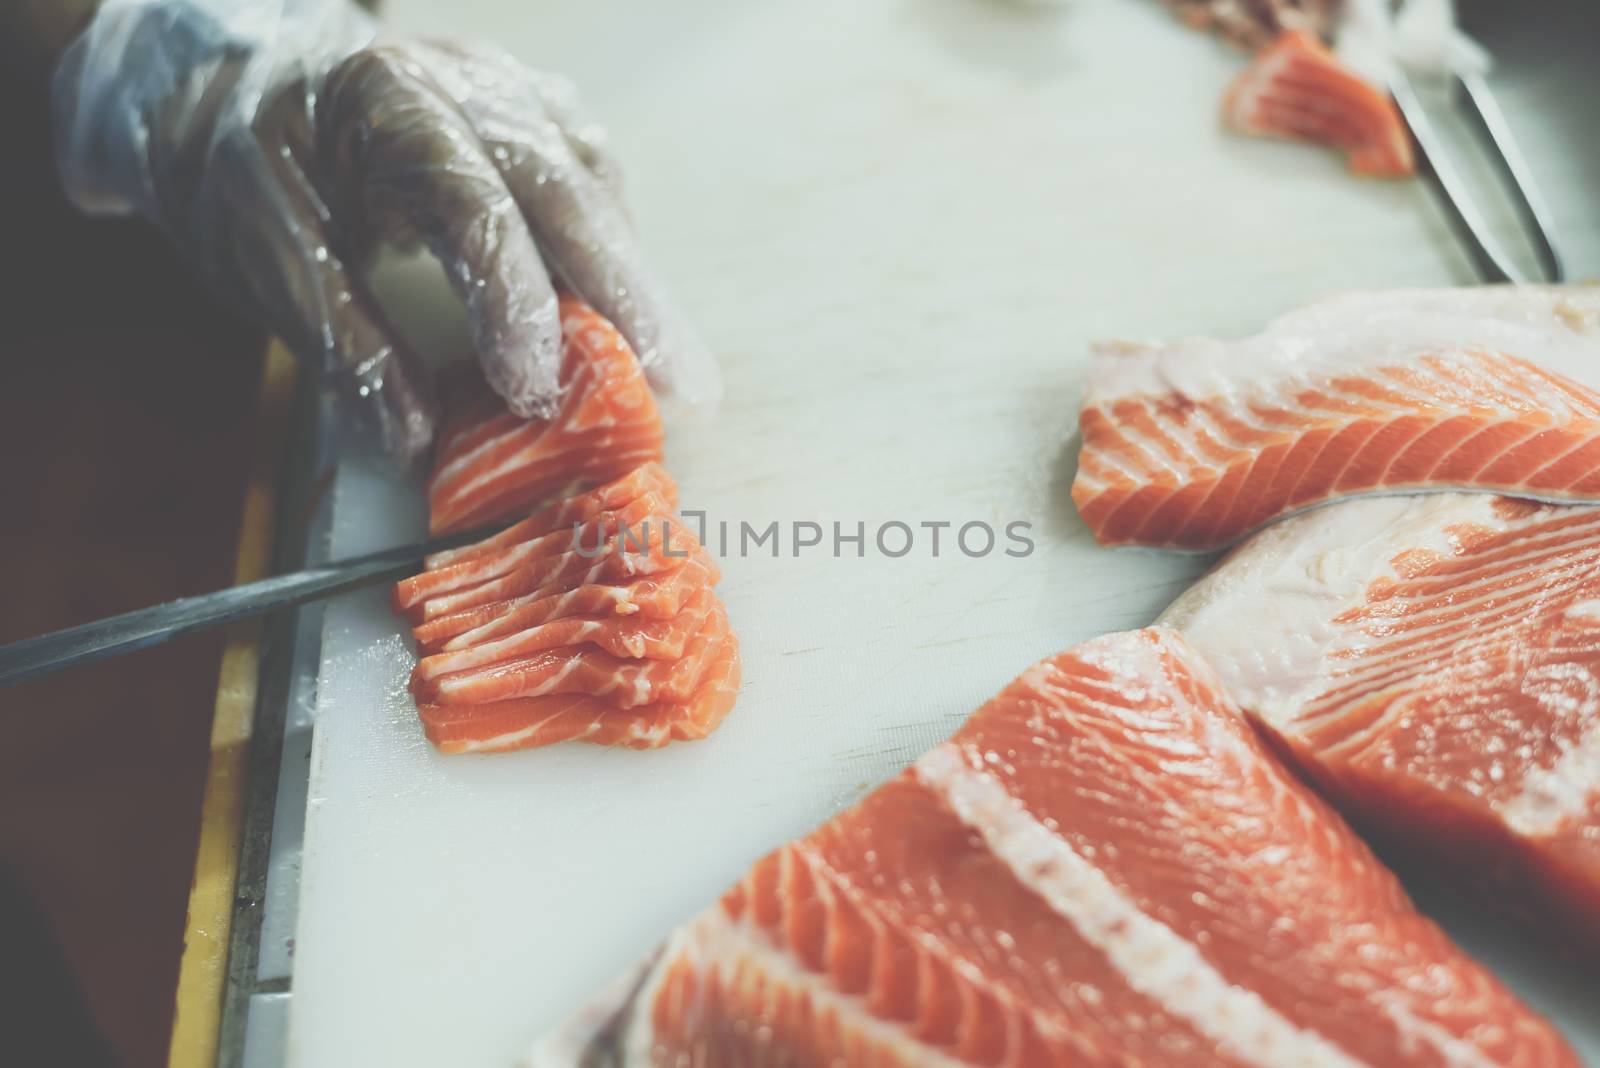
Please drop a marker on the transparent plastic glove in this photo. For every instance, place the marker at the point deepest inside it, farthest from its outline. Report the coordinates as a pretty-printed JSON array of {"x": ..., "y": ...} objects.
[
  {"x": 279, "y": 142},
  {"x": 1420, "y": 36}
]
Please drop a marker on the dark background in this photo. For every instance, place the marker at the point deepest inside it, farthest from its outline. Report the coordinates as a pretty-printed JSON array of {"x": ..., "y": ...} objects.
[{"x": 127, "y": 404}]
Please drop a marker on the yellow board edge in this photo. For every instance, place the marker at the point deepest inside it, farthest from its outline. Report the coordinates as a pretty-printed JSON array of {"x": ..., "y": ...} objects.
[{"x": 202, "y": 971}]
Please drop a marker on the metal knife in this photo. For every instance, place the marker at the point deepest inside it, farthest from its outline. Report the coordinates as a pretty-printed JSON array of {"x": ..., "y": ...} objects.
[{"x": 88, "y": 642}]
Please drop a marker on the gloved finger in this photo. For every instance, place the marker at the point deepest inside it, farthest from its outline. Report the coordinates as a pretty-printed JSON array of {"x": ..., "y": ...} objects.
[
  {"x": 273, "y": 225},
  {"x": 588, "y": 242},
  {"x": 402, "y": 150},
  {"x": 585, "y": 136},
  {"x": 494, "y": 72}
]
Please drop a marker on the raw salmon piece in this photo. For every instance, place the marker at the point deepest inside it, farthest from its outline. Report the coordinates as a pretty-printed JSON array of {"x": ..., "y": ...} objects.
[
  {"x": 577, "y": 669},
  {"x": 655, "y": 544},
  {"x": 610, "y": 497},
  {"x": 1103, "y": 867},
  {"x": 493, "y": 464},
  {"x": 1296, "y": 88},
  {"x": 465, "y": 574},
  {"x": 524, "y": 723},
  {"x": 1191, "y": 445},
  {"x": 656, "y": 596},
  {"x": 1255, "y": 24},
  {"x": 621, "y": 636},
  {"x": 1434, "y": 664}
]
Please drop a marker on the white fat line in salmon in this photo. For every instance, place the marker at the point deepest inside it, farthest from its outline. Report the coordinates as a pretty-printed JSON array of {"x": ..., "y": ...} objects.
[
  {"x": 1153, "y": 958},
  {"x": 714, "y": 944},
  {"x": 1415, "y": 1032},
  {"x": 511, "y": 739}
]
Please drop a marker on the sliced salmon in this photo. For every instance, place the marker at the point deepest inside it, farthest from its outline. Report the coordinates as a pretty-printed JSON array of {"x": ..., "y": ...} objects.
[
  {"x": 621, "y": 636},
  {"x": 494, "y": 563},
  {"x": 592, "y": 616},
  {"x": 1193, "y": 444},
  {"x": 562, "y": 514},
  {"x": 655, "y": 544},
  {"x": 656, "y": 596},
  {"x": 1103, "y": 867},
  {"x": 528, "y": 722},
  {"x": 624, "y": 682},
  {"x": 492, "y": 464},
  {"x": 1434, "y": 664},
  {"x": 1296, "y": 88}
]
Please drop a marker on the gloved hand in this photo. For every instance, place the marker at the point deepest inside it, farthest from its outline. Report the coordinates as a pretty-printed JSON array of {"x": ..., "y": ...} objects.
[{"x": 279, "y": 142}]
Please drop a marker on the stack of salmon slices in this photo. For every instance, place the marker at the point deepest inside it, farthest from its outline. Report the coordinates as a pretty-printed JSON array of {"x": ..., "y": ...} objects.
[{"x": 594, "y": 616}]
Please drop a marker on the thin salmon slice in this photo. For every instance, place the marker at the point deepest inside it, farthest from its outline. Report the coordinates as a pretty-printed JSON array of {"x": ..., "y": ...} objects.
[
  {"x": 474, "y": 571},
  {"x": 563, "y": 514},
  {"x": 529, "y": 722},
  {"x": 1194, "y": 444},
  {"x": 656, "y": 596},
  {"x": 624, "y": 682},
  {"x": 492, "y": 464},
  {"x": 1105, "y": 866},
  {"x": 1297, "y": 89},
  {"x": 620, "y": 636},
  {"x": 1434, "y": 664},
  {"x": 655, "y": 544}
]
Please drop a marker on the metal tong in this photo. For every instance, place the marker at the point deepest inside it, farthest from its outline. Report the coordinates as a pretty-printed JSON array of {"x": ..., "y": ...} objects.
[
  {"x": 88, "y": 642},
  {"x": 1472, "y": 98}
]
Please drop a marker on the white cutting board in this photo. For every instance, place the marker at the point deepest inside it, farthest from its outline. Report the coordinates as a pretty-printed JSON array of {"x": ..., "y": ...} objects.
[{"x": 899, "y": 223}]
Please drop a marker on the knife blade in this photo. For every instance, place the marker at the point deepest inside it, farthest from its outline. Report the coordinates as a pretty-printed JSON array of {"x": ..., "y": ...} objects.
[{"x": 130, "y": 631}]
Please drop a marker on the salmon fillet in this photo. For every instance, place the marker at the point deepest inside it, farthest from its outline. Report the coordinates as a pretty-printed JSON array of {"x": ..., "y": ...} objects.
[
  {"x": 492, "y": 464},
  {"x": 528, "y": 722},
  {"x": 1194, "y": 444},
  {"x": 1297, "y": 89},
  {"x": 1103, "y": 867},
  {"x": 656, "y": 596},
  {"x": 1434, "y": 665}
]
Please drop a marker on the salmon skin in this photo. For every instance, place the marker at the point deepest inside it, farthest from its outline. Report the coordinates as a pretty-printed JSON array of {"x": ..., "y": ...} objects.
[
  {"x": 1104, "y": 866},
  {"x": 1433, "y": 664},
  {"x": 492, "y": 464},
  {"x": 1297, "y": 89},
  {"x": 1194, "y": 444}
]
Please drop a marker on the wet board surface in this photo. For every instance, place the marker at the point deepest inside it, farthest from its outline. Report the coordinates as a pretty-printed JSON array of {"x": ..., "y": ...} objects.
[{"x": 899, "y": 224}]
